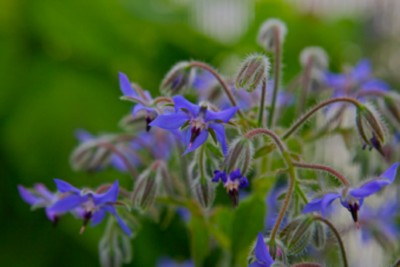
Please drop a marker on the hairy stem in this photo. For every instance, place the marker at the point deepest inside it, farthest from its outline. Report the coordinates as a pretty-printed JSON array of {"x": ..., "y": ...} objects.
[
  {"x": 305, "y": 84},
  {"x": 324, "y": 168},
  {"x": 337, "y": 235},
  {"x": 262, "y": 103},
  {"x": 317, "y": 107}
]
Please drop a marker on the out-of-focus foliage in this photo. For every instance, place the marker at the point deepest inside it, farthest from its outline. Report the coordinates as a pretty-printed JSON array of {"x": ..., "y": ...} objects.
[{"x": 59, "y": 72}]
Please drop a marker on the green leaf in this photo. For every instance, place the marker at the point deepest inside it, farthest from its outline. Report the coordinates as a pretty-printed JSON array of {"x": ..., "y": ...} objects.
[
  {"x": 199, "y": 239},
  {"x": 220, "y": 227},
  {"x": 247, "y": 222}
]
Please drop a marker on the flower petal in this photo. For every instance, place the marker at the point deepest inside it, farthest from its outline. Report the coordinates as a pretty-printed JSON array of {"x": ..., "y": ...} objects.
[
  {"x": 108, "y": 197},
  {"x": 65, "y": 187},
  {"x": 197, "y": 142},
  {"x": 28, "y": 196},
  {"x": 182, "y": 103},
  {"x": 170, "y": 121},
  {"x": 361, "y": 71},
  {"x": 224, "y": 115},
  {"x": 220, "y": 135},
  {"x": 98, "y": 217},
  {"x": 125, "y": 86},
  {"x": 261, "y": 251},
  {"x": 390, "y": 173},
  {"x": 121, "y": 223},
  {"x": 320, "y": 204},
  {"x": 68, "y": 203},
  {"x": 83, "y": 135}
]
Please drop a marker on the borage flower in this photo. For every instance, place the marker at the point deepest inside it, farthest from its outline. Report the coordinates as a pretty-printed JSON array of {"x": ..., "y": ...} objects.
[
  {"x": 142, "y": 98},
  {"x": 353, "y": 198},
  {"x": 91, "y": 207},
  {"x": 197, "y": 121},
  {"x": 263, "y": 259},
  {"x": 232, "y": 183}
]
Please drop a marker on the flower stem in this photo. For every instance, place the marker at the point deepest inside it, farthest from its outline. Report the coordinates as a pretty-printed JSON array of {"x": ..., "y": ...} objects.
[
  {"x": 277, "y": 77},
  {"x": 321, "y": 167},
  {"x": 305, "y": 84},
  {"x": 317, "y": 107},
  {"x": 262, "y": 103},
  {"x": 337, "y": 235},
  {"x": 223, "y": 83}
]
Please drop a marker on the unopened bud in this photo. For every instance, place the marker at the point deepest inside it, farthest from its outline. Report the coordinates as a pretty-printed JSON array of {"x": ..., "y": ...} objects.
[
  {"x": 319, "y": 236},
  {"x": 89, "y": 156},
  {"x": 370, "y": 128},
  {"x": 178, "y": 79},
  {"x": 390, "y": 104},
  {"x": 253, "y": 72},
  {"x": 147, "y": 186},
  {"x": 203, "y": 191},
  {"x": 316, "y": 59},
  {"x": 297, "y": 235},
  {"x": 240, "y": 155},
  {"x": 271, "y": 34}
]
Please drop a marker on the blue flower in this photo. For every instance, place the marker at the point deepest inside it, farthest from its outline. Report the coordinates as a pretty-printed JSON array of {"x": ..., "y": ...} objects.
[
  {"x": 197, "y": 122},
  {"x": 232, "y": 183},
  {"x": 167, "y": 262},
  {"x": 357, "y": 83},
  {"x": 91, "y": 207},
  {"x": 142, "y": 98},
  {"x": 263, "y": 259},
  {"x": 353, "y": 198},
  {"x": 40, "y": 197}
]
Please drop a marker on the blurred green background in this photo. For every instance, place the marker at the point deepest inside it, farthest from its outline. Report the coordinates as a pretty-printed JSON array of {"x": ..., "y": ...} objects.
[{"x": 59, "y": 72}]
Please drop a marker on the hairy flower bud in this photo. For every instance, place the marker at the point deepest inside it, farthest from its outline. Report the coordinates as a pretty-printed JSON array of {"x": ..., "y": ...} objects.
[
  {"x": 297, "y": 235},
  {"x": 253, "y": 72},
  {"x": 178, "y": 79},
  {"x": 370, "y": 128},
  {"x": 319, "y": 235},
  {"x": 390, "y": 105},
  {"x": 316, "y": 59},
  {"x": 272, "y": 33},
  {"x": 240, "y": 155},
  {"x": 203, "y": 191},
  {"x": 89, "y": 156},
  {"x": 147, "y": 186}
]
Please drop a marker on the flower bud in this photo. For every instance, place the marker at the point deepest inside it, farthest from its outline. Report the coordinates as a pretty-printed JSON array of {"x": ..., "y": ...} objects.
[
  {"x": 297, "y": 235},
  {"x": 271, "y": 34},
  {"x": 319, "y": 235},
  {"x": 316, "y": 59},
  {"x": 370, "y": 128},
  {"x": 90, "y": 157},
  {"x": 240, "y": 155},
  {"x": 147, "y": 186},
  {"x": 178, "y": 79},
  {"x": 203, "y": 191},
  {"x": 253, "y": 72},
  {"x": 390, "y": 104}
]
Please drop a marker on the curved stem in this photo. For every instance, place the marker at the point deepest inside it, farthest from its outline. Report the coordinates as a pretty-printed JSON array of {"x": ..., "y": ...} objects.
[
  {"x": 324, "y": 168},
  {"x": 317, "y": 107},
  {"x": 277, "y": 77},
  {"x": 337, "y": 235},
  {"x": 262, "y": 103},
  {"x": 250, "y": 134},
  {"x": 223, "y": 83}
]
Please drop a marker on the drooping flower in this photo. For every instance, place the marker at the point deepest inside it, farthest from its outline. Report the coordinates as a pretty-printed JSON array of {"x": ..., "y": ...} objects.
[
  {"x": 353, "y": 198},
  {"x": 40, "y": 197},
  {"x": 263, "y": 259},
  {"x": 196, "y": 122},
  {"x": 90, "y": 206},
  {"x": 232, "y": 183},
  {"x": 142, "y": 98},
  {"x": 357, "y": 83}
]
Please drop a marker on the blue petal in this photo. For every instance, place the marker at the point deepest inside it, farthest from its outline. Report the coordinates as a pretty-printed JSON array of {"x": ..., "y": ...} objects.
[
  {"x": 121, "y": 223},
  {"x": 27, "y": 196},
  {"x": 377, "y": 184},
  {"x": 362, "y": 70},
  {"x": 125, "y": 86},
  {"x": 337, "y": 81},
  {"x": 257, "y": 264},
  {"x": 108, "y": 197},
  {"x": 170, "y": 121},
  {"x": 182, "y": 103},
  {"x": 197, "y": 142},
  {"x": 68, "y": 203},
  {"x": 223, "y": 116},
  {"x": 65, "y": 187},
  {"x": 44, "y": 192},
  {"x": 321, "y": 204},
  {"x": 220, "y": 135},
  {"x": 219, "y": 175},
  {"x": 261, "y": 251},
  {"x": 98, "y": 217},
  {"x": 243, "y": 182},
  {"x": 375, "y": 85},
  {"x": 83, "y": 135},
  {"x": 235, "y": 174}
]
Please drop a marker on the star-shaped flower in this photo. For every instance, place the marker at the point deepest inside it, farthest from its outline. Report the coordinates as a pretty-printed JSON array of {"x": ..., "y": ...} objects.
[
  {"x": 353, "y": 198},
  {"x": 232, "y": 183},
  {"x": 91, "y": 207},
  {"x": 196, "y": 122},
  {"x": 263, "y": 259}
]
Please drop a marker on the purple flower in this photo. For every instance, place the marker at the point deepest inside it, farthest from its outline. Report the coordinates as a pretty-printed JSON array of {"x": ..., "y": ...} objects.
[
  {"x": 142, "y": 98},
  {"x": 263, "y": 259},
  {"x": 91, "y": 207},
  {"x": 353, "y": 198},
  {"x": 197, "y": 122},
  {"x": 40, "y": 197},
  {"x": 357, "y": 82},
  {"x": 232, "y": 183},
  {"x": 167, "y": 262}
]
